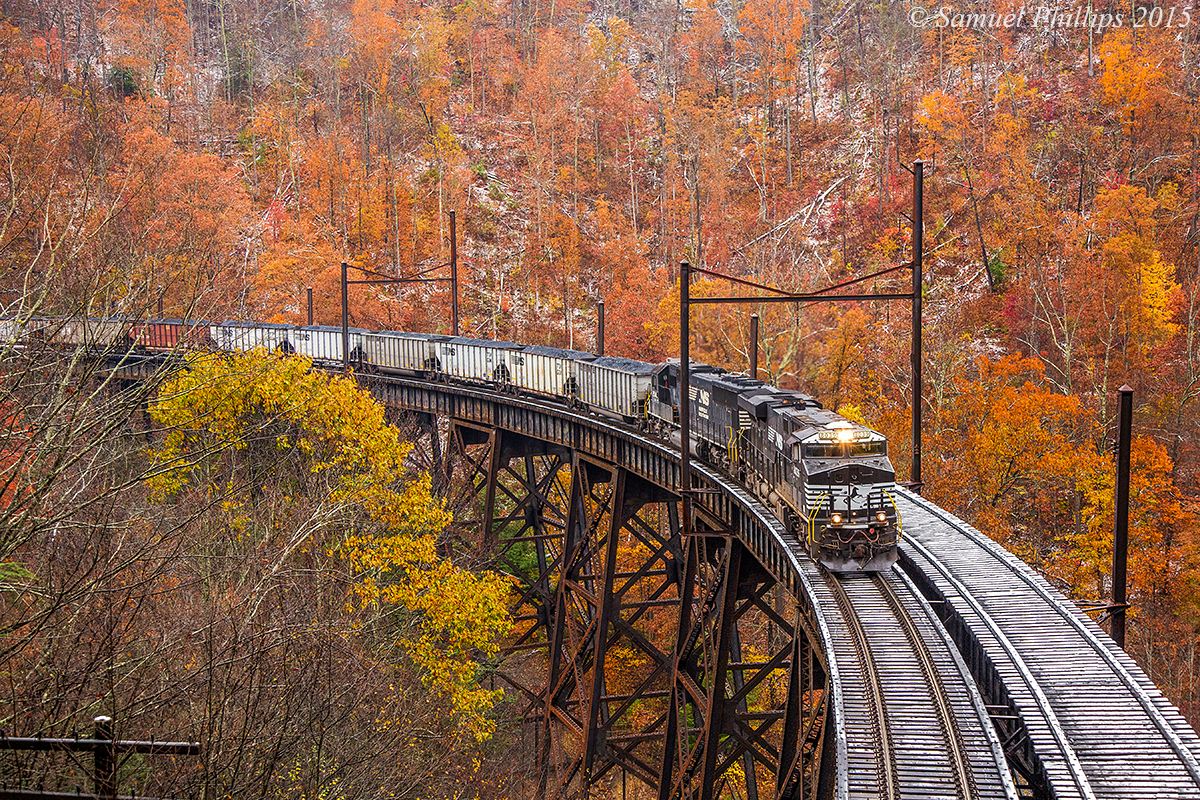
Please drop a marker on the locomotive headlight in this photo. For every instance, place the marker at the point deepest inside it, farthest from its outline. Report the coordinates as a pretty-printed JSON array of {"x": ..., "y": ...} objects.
[
  {"x": 882, "y": 517},
  {"x": 836, "y": 519},
  {"x": 845, "y": 435}
]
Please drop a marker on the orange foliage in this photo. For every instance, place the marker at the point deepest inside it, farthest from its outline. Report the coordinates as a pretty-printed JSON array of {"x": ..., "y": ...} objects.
[{"x": 236, "y": 158}]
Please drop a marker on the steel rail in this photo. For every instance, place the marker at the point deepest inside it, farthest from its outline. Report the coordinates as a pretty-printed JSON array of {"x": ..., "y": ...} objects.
[
  {"x": 1144, "y": 700},
  {"x": 958, "y": 761},
  {"x": 1056, "y": 730},
  {"x": 886, "y": 756},
  {"x": 964, "y": 673}
]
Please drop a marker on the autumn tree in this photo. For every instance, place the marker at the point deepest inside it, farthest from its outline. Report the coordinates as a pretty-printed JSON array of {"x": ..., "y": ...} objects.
[
  {"x": 326, "y": 440},
  {"x": 265, "y": 577},
  {"x": 1011, "y": 454}
]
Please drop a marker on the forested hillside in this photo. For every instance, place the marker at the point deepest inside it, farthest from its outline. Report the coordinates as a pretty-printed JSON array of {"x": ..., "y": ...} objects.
[{"x": 223, "y": 156}]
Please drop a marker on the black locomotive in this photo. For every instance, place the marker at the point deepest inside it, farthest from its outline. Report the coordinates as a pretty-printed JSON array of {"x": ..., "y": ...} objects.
[{"x": 827, "y": 477}]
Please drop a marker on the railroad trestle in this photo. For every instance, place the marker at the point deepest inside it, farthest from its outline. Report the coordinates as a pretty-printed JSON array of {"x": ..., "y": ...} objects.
[
  {"x": 714, "y": 659},
  {"x": 683, "y": 661}
]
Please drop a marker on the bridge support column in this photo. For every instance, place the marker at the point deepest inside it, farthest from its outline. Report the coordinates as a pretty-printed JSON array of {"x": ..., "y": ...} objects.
[
  {"x": 597, "y": 553},
  {"x": 636, "y": 652},
  {"x": 739, "y": 694},
  {"x": 618, "y": 584}
]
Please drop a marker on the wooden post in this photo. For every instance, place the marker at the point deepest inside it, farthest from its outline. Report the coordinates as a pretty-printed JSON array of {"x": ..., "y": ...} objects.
[{"x": 1121, "y": 531}]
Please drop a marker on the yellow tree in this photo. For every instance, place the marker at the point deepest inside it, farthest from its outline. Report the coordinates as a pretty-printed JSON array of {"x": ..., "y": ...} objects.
[
  {"x": 1124, "y": 290},
  {"x": 1164, "y": 561},
  {"x": 252, "y": 431}
]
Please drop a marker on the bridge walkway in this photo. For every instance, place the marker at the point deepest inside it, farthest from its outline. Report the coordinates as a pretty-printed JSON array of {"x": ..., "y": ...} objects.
[{"x": 1072, "y": 707}]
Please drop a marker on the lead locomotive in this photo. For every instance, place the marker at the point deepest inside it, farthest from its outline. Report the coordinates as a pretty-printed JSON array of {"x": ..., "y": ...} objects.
[{"x": 827, "y": 477}]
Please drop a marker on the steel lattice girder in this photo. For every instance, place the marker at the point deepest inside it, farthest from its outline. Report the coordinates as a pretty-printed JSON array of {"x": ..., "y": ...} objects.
[
  {"x": 599, "y": 557},
  {"x": 713, "y": 722}
]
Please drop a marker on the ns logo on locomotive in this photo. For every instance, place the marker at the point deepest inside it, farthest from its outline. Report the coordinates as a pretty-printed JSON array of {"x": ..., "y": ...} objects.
[{"x": 828, "y": 478}]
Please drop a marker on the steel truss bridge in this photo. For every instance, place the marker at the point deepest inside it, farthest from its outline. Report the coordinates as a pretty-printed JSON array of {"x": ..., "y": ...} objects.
[{"x": 724, "y": 663}]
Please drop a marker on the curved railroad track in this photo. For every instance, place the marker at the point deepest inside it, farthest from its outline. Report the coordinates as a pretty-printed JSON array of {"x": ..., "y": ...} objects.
[
  {"x": 872, "y": 687},
  {"x": 907, "y": 727},
  {"x": 937, "y": 691}
]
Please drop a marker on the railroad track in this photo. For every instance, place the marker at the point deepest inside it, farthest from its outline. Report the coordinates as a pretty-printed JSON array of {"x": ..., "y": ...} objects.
[
  {"x": 911, "y": 733},
  {"x": 1091, "y": 723}
]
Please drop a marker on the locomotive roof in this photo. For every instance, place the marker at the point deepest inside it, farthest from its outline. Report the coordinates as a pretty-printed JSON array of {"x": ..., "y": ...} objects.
[
  {"x": 694, "y": 367},
  {"x": 812, "y": 422},
  {"x": 732, "y": 381},
  {"x": 758, "y": 400},
  {"x": 726, "y": 384}
]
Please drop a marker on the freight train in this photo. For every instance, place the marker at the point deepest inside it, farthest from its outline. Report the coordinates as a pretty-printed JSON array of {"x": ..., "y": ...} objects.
[{"x": 829, "y": 478}]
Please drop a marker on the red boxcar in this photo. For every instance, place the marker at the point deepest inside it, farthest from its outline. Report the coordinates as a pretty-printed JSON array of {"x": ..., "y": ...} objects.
[{"x": 170, "y": 334}]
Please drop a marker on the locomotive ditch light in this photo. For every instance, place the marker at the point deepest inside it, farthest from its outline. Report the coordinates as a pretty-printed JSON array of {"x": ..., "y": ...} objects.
[
  {"x": 882, "y": 517},
  {"x": 836, "y": 519}
]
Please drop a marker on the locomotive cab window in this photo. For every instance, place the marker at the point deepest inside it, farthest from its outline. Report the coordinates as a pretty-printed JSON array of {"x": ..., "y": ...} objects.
[{"x": 845, "y": 449}]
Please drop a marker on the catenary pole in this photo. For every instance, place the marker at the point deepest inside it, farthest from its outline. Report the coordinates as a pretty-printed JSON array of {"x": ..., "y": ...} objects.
[
  {"x": 918, "y": 222},
  {"x": 1121, "y": 530},
  {"x": 599, "y": 327},
  {"x": 754, "y": 346},
  {"x": 454, "y": 273},
  {"x": 345, "y": 318},
  {"x": 685, "y": 433}
]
